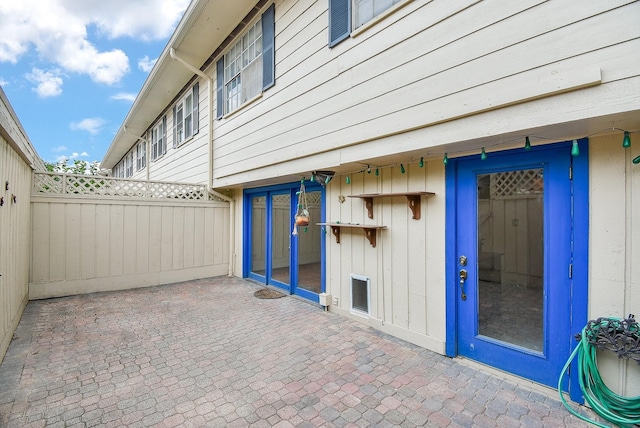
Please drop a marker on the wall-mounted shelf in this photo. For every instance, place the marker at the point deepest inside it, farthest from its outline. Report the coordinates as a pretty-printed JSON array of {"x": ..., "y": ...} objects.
[
  {"x": 413, "y": 200},
  {"x": 370, "y": 231}
]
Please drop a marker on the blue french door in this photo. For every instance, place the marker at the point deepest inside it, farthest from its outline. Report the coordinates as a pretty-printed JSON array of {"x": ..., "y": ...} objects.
[
  {"x": 511, "y": 281},
  {"x": 276, "y": 253}
]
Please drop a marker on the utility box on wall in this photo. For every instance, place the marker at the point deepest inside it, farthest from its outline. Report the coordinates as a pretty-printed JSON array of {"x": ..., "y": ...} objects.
[{"x": 324, "y": 299}]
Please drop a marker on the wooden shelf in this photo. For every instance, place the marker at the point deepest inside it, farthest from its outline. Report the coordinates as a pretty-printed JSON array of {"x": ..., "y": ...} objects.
[
  {"x": 413, "y": 200},
  {"x": 370, "y": 231}
]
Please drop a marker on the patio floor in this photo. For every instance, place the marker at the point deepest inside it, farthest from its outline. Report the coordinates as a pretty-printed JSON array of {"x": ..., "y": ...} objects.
[{"x": 208, "y": 353}]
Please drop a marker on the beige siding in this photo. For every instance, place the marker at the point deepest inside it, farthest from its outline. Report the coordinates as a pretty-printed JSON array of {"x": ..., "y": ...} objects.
[
  {"x": 466, "y": 58},
  {"x": 614, "y": 249},
  {"x": 16, "y": 157},
  {"x": 87, "y": 245},
  {"x": 406, "y": 267},
  {"x": 186, "y": 163},
  {"x": 14, "y": 241}
]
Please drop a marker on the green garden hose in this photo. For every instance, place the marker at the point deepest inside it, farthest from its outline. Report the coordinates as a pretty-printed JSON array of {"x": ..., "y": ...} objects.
[{"x": 619, "y": 410}]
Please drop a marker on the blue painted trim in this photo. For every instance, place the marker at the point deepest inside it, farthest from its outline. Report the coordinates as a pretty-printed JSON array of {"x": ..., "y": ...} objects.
[
  {"x": 451, "y": 338},
  {"x": 580, "y": 281}
]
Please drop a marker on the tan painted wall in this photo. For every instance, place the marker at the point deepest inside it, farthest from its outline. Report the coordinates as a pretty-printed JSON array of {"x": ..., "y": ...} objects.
[
  {"x": 89, "y": 245},
  {"x": 17, "y": 156},
  {"x": 454, "y": 70},
  {"x": 14, "y": 241},
  {"x": 407, "y": 266},
  {"x": 614, "y": 246}
]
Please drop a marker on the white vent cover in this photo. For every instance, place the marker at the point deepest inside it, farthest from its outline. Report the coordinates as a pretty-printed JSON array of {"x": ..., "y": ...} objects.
[{"x": 360, "y": 294}]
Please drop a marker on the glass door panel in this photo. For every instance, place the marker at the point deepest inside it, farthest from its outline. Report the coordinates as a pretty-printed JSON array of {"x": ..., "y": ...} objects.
[
  {"x": 281, "y": 220},
  {"x": 258, "y": 235},
  {"x": 309, "y": 247},
  {"x": 511, "y": 257}
]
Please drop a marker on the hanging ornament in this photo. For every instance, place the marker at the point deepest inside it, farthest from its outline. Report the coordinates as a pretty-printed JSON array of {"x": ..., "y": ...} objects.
[
  {"x": 626, "y": 141},
  {"x": 575, "y": 150},
  {"x": 421, "y": 163},
  {"x": 527, "y": 144},
  {"x": 348, "y": 180},
  {"x": 402, "y": 170},
  {"x": 483, "y": 155},
  {"x": 302, "y": 214},
  {"x": 445, "y": 159}
]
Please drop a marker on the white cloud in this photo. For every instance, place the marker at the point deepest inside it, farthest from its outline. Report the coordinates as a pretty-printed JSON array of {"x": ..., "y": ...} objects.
[
  {"x": 123, "y": 96},
  {"x": 145, "y": 64},
  {"x": 3, "y": 82},
  {"x": 92, "y": 125},
  {"x": 57, "y": 30},
  {"x": 48, "y": 83},
  {"x": 59, "y": 149}
]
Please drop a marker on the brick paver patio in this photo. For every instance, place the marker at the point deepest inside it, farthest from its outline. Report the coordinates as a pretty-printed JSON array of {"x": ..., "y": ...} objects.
[{"x": 208, "y": 353}]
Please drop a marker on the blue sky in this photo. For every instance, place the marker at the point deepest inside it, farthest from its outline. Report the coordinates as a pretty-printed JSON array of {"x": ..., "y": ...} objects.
[{"x": 72, "y": 68}]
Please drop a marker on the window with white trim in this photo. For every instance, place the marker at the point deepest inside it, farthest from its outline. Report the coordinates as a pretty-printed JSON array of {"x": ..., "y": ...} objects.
[
  {"x": 243, "y": 69},
  {"x": 141, "y": 155},
  {"x": 185, "y": 116},
  {"x": 128, "y": 165},
  {"x": 348, "y": 15},
  {"x": 366, "y": 10},
  {"x": 159, "y": 139},
  {"x": 248, "y": 68}
]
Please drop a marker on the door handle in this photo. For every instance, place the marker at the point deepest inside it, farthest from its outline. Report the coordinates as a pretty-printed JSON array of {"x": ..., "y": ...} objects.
[{"x": 463, "y": 279}]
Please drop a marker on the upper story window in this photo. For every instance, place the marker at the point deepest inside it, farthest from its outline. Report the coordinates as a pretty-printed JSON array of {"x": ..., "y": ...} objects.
[
  {"x": 348, "y": 15},
  {"x": 159, "y": 139},
  {"x": 185, "y": 116},
  {"x": 365, "y": 10},
  {"x": 128, "y": 165},
  {"x": 141, "y": 156},
  {"x": 248, "y": 68}
]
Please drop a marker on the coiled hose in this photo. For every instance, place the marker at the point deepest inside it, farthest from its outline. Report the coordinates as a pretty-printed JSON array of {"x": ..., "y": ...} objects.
[{"x": 622, "y": 337}]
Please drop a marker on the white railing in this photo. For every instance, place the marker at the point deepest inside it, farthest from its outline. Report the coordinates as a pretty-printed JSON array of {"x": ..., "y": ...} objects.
[{"x": 51, "y": 183}]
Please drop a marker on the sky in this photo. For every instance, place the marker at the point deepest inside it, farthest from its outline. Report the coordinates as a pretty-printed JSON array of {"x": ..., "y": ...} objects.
[{"x": 72, "y": 68}]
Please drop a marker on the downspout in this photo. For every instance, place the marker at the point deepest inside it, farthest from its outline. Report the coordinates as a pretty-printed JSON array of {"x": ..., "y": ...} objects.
[
  {"x": 147, "y": 149},
  {"x": 231, "y": 201}
]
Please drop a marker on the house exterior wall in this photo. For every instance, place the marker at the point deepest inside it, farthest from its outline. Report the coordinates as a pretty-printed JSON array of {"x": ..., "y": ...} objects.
[
  {"x": 614, "y": 259},
  {"x": 452, "y": 70},
  {"x": 17, "y": 156},
  {"x": 436, "y": 77},
  {"x": 82, "y": 245}
]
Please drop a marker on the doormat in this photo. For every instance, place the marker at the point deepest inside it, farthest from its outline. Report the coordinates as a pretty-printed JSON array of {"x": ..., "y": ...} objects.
[{"x": 267, "y": 293}]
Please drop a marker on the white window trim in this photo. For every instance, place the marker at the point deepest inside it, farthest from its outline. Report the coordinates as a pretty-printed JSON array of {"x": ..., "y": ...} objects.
[
  {"x": 364, "y": 27},
  {"x": 238, "y": 39},
  {"x": 156, "y": 126},
  {"x": 193, "y": 108}
]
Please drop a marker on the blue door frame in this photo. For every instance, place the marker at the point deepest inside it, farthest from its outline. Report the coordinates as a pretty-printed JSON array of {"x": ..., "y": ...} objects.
[
  {"x": 267, "y": 192},
  {"x": 461, "y": 176}
]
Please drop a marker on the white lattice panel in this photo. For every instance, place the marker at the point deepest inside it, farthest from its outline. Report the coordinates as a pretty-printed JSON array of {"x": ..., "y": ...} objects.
[
  {"x": 88, "y": 185},
  {"x": 526, "y": 183}
]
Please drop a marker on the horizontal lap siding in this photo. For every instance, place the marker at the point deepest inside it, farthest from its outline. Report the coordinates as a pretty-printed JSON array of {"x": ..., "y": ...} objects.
[
  {"x": 84, "y": 246},
  {"x": 14, "y": 241},
  {"x": 186, "y": 163},
  {"x": 393, "y": 78}
]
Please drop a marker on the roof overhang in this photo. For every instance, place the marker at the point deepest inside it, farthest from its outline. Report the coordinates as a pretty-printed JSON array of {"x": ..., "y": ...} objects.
[{"x": 203, "y": 27}]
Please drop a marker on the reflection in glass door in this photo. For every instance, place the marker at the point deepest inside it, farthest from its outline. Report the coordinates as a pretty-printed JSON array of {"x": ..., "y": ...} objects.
[
  {"x": 275, "y": 253},
  {"x": 280, "y": 237},
  {"x": 511, "y": 257},
  {"x": 309, "y": 247},
  {"x": 258, "y": 235}
]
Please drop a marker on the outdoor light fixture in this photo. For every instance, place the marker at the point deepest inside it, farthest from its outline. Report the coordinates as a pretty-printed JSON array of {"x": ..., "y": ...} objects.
[
  {"x": 626, "y": 141},
  {"x": 322, "y": 177}
]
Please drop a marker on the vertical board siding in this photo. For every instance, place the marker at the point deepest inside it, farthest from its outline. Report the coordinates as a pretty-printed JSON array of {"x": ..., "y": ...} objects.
[
  {"x": 14, "y": 242},
  {"x": 614, "y": 277},
  {"x": 406, "y": 267},
  {"x": 89, "y": 245}
]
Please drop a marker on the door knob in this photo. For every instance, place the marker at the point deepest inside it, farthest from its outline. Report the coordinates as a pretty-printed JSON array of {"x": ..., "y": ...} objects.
[{"x": 463, "y": 278}]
